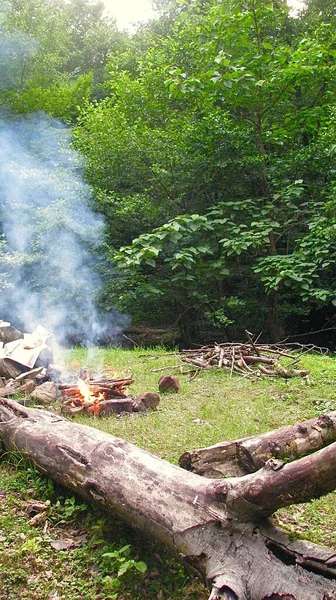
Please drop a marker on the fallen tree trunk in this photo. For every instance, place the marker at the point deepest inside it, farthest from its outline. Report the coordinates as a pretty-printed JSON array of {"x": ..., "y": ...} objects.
[{"x": 219, "y": 528}]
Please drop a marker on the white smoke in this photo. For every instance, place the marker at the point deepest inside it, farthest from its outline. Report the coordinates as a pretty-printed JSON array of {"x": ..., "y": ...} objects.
[{"x": 50, "y": 233}]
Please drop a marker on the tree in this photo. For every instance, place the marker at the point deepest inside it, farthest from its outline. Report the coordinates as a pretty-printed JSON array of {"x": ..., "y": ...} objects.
[
  {"x": 260, "y": 100},
  {"x": 70, "y": 44}
]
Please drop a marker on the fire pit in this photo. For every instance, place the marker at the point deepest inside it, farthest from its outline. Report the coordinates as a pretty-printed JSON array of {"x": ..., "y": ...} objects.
[
  {"x": 26, "y": 368},
  {"x": 97, "y": 396}
]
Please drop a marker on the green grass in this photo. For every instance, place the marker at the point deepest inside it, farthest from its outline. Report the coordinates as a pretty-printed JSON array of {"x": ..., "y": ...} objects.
[{"x": 211, "y": 408}]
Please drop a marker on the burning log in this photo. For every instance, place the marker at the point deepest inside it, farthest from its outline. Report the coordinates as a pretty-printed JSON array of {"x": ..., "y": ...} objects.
[
  {"x": 111, "y": 388},
  {"x": 102, "y": 408},
  {"x": 101, "y": 397},
  {"x": 219, "y": 528}
]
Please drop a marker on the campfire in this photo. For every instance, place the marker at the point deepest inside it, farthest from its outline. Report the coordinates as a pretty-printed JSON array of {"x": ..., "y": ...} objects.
[
  {"x": 26, "y": 367},
  {"x": 97, "y": 396}
]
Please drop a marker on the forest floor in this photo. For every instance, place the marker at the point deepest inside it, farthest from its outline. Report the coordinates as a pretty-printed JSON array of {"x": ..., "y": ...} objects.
[{"x": 77, "y": 552}]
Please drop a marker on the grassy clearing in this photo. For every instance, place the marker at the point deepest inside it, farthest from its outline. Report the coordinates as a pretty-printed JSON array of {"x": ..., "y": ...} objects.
[{"x": 211, "y": 408}]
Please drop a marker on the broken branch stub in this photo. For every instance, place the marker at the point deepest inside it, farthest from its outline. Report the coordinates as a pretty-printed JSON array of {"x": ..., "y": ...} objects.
[{"x": 209, "y": 524}]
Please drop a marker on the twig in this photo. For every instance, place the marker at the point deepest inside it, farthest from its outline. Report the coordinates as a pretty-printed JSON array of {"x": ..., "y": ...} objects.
[
  {"x": 250, "y": 338},
  {"x": 221, "y": 358},
  {"x": 165, "y": 368},
  {"x": 130, "y": 339},
  {"x": 233, "y": 361}
]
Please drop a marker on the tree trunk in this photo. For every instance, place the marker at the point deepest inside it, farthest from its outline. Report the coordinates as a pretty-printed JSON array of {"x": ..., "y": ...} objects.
[{"x": 218, "y": 527}]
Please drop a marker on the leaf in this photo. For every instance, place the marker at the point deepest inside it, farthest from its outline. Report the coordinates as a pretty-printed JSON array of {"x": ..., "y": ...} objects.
[
  {"x": 124, "y": 567},
  {"x": 141, "y": 566},
  {"x": 216, "y": 77},
  {"x": 68, "y": 543}
]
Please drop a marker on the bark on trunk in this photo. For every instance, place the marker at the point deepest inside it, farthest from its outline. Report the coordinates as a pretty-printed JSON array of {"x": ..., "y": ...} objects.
[{"x": 217, "y": 527}]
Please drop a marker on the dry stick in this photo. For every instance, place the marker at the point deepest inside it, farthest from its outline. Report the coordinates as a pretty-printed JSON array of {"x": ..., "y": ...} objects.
[
  {"x": 221, "y": 358},
  {"x": 130, "y": 339},
  {"x": 312, "y": 347},
  {"x": 195, "y": 373},
  {"x": 296, "y": 360},
  {"x": 278, "y": 352},
  {"x": 165, "y": 368},
  {"x": 249, "y": 337},
  {"x": 197, "y": 363},
  {"x": 196, "y": 350},
  {"x": 233, "y": 360},
  {"x": 245, "y": 365},
  {"x": 259, "y": 359}
]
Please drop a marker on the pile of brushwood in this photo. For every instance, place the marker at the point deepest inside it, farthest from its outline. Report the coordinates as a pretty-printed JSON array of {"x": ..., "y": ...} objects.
[{"x": 250, "y": 359}]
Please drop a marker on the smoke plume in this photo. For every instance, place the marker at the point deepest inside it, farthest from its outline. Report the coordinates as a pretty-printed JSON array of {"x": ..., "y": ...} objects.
[{"x": 49, "y": 232}]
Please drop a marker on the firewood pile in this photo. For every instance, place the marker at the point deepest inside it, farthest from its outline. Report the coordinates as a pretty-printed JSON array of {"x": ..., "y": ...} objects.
[
  {"x": 249, "y": 359},
  {"x": 245, "y": 359}
]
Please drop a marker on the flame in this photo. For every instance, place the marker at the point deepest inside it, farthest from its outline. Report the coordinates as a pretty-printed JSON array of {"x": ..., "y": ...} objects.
[{"x": 88, "y": 397}]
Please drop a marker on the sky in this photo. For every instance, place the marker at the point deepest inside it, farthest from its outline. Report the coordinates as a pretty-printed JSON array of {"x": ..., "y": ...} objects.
[{"x": 128, "y": 12}]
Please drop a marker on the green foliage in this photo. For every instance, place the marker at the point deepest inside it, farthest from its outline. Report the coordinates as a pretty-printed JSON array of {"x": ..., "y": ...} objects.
[
  {"x": 121, "y": 563},
  {"x": 259, "y": 102},
  {"x": 62, "y": 100},
  {"x": 56, "y": 54}
]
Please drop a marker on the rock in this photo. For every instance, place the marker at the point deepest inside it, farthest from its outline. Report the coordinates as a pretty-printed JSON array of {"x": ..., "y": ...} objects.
[
  {"x": 46, "y": 393},
  {"x": 169, "y": 383},
  {"x": 146, "y": 401},
  {"x": 9, "y": 333},
  {"x": 10, "y": 369},
  {"x": 27, "y": 388},
  {"x": 114, "y": 406}
]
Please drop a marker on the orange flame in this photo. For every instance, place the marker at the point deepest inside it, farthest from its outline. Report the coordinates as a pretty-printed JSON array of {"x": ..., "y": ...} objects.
[{"x": 88, "y": 397}]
